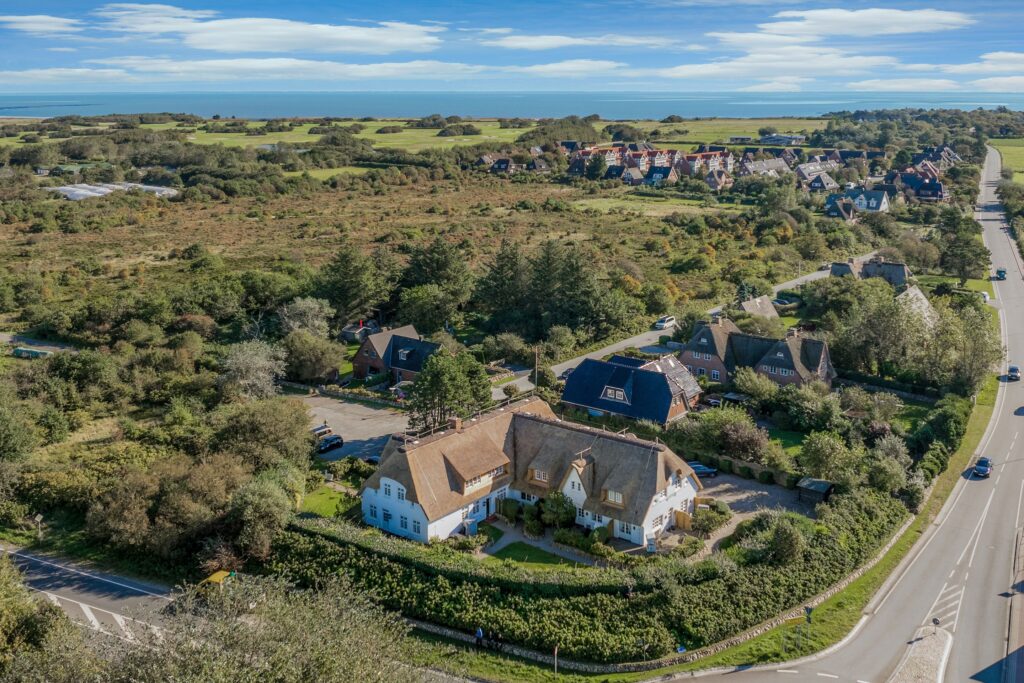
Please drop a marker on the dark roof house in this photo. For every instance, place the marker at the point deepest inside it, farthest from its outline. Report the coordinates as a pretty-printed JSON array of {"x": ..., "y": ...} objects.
[
  {"x": 896, "y": 274},
  {"x": 660, "y": 390}
]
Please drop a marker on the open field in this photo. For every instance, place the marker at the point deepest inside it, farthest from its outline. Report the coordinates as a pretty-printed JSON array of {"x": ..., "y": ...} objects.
[
  {"x": 1012, "y": 151},
  {"x": 418, "y": 139},
  {"x": 328, "y": 173},
  {"x": 650, "y": 206}
]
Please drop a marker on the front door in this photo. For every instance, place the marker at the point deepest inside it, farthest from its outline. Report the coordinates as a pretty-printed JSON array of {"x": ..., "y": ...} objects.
[{"x": 487, "y": 508}]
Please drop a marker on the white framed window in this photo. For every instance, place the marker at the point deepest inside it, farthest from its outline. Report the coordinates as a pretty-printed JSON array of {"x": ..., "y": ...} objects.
[
  {"x": 403, "y": 522},
  {"x": 701, "y": 371},
  {"x": 401, "y": 493},
  {"x": 579, "y": 512},
  {"x": 715, "y": 374},
  {"x": 387, "y": 490},
  {"x": 613, "y": 497},
  {"x": 416, "y": 526},
  {"x": 540, "y": 475},
  {"x": 598, "y": 518},
  {"x": 387, "y": 516},
  {"x": 703, "y": 340},
  {"x": 373, "y": 512},
  {"x": 658, "y": 521}
]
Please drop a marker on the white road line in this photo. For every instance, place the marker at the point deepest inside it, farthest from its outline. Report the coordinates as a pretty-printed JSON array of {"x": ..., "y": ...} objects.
[
  {"x": 827, "y": 675},
  {"x": 953, "y": 570},
  {"x": 956, "y": 618},
  {"x": 124, "y": 627},
  {"x": 977, "y": 527},
  {"x": 787, "y": 671},
  {"x": 93, "y": 621},
  {"x": 1020, "y": 496},
  {"x": 860, "y": 681},
  {"x": 997, "y": 480},
  {"x": 32, "y": 558},
  {"x": 53, "y": 598}
]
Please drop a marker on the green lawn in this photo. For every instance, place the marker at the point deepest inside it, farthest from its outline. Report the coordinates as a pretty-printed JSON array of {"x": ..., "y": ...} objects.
[
  {"x": 530, "y": 556},
  {"x": 326, "y": 502},
  {"x": 791, "y": 441},
  {"x": 913, "y": 414},
  {"x": 932, "y": 281},
  {"x": 720, "y": 130},
  {"x": 1012, "y": 151},
  {"x": 492, "y": 532}
]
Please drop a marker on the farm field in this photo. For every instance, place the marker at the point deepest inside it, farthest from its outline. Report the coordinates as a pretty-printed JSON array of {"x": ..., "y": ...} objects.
[
  {"x": 328, "y": 173},
  {"x": 1012, "y": 150},
  {"x": 720, "y": 130}
]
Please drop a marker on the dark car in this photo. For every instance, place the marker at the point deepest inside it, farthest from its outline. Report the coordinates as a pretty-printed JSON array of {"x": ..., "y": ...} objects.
[
  {"x": 565, "y": 374},
  {"x": 1013, "y": 373},
  {"x": 983, "y": 467},
  {"x": 702, "y": 470},
  {"x": 329, "y": 443}
]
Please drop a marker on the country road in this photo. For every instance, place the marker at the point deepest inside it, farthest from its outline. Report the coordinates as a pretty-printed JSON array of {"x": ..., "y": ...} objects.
[{"x": 961, "y": 572}]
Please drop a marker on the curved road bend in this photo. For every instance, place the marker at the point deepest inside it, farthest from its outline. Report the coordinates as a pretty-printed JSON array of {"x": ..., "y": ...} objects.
[{"x": 961, "y": 572}]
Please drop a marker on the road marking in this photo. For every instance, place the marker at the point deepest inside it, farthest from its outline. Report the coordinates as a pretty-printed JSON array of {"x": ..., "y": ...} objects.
[
  {"x": 32, "y": 558},
  {"x": 956, "y": 617},
  {"x": 53, "y": 599},
  {"x": 977, "y": 528},
  {"x": 827, "y": 675},
  {"x": 93, "y": 621},
  {"x": 787, "y": 671},
  {"x": 124, "y": 627},
  {"x": 997, "y": 479},
  {"x": 1020, "y": 496}
]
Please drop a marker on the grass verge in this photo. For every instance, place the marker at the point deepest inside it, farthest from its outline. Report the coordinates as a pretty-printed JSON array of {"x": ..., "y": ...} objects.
[
  {"x": 530, "y": 556},
  {"x": 833, "y": 619}
]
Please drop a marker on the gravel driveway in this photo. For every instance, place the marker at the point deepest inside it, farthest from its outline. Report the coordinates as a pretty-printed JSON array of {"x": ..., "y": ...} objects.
[{"x": 365, "y": 428}]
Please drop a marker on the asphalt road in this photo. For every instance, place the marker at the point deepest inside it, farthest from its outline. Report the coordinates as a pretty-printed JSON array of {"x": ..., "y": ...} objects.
[
  {"x": 101, "y": 601},
  {"x": 961, "y": 572}
]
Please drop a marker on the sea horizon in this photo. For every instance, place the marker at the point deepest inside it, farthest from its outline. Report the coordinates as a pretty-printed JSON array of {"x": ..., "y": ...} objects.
[{"x": 490, "y": 104}]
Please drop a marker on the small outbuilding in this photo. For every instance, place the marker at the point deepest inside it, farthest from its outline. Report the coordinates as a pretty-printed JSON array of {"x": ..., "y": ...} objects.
[{"x": 814, "y": 490}]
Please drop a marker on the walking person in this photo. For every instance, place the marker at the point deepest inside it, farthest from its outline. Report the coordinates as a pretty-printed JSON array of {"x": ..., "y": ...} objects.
[{"x": 479, "y": 637}]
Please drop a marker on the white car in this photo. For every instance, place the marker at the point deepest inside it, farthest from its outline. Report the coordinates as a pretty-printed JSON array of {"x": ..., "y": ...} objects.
[{"x": 665, "y": 322}]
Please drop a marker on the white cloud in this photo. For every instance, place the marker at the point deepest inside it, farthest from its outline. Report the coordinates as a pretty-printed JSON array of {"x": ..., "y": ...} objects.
[
  {"x": 999, "y": 84},
  {"x": 551, "y": 42},
  {"x": 864, "y": 22},
  {"x": 62, "y": 49},
  {"x": 991, "y": 62},
  {"x": 781, "y": 84},
  {"x": 40, "y": 24},
  {"x": 200, "y": 29},
  {"x": 64, "y": 75},
  {"x": 286, "y": 68},
  {"x": 790, "y": 61},
  {"x": 570, "y": 68},
  {"x": 905, "y": 84},
  {"x": 752, "y": 40}
]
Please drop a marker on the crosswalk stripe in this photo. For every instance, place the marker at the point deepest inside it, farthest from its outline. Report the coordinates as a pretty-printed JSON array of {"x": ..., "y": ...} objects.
[
  {"x": 124, "y": 627},
  {"x": 93, "y": 621}
]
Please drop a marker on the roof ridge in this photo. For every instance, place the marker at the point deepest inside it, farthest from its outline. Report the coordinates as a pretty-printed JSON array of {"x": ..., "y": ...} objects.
[{"x": 633, "y": 440}]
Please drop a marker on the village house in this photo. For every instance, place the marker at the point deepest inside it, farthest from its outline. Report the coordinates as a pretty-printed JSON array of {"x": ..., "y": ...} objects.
[
  {"x": 874, "y": 201},
  {"x": 822, "y": 182},
  {"x": 761, "y": 306},
  {"x": 783, "y": 139},
  {"x": 661, "y": 175},
  {"x": 718, "y": 348},
  {"x": 719, "y": 180},
  {"x": 661, "y": 391},
  {"x": 399, "y": 352},
  {"x": 807, "y": 171},
  {"x": 773, "y": 168},
  {"x": 843, "y": 209},
  {"x": 896, "y": 274},
  {"x": 445, "y": 483},
  {"x": 506, "y": 165}
]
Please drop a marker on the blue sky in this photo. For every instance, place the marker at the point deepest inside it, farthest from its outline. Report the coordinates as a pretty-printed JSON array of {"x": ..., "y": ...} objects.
[{"x": 654, "y": 45}]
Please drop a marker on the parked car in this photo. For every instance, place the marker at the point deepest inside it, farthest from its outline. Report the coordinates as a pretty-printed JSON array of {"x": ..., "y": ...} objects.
[
  {"x": 702, "y": 470},
  {"x": 329, "y": 443},
  {"x": 1013, "y": 373},
  {"x": 372, "y": 459},
  {"x": 320, "y": 431},
  {"x": 825, "y": 266},
  {"x": 780, "y": 302},
  {"x": 565, "y": 374},
  {"x": 665, "y": 322},
  {"x": 983, "y": 467},
  {"x": 713, "y": 401}
]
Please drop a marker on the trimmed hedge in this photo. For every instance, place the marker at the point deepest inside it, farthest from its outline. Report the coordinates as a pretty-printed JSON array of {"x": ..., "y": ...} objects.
[{"x": 592, "y": 614}]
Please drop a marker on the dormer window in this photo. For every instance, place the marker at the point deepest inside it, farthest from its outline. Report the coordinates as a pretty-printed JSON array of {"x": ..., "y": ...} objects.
[
  {"x": 540, "y": 475},
  {"x": 779, "y": 354},
  {"x": 703, "y": 340},
  {"x": 403, "y": 354},
  {"x": 613, "y": 497},
  {"x": 614, "y": 394}
]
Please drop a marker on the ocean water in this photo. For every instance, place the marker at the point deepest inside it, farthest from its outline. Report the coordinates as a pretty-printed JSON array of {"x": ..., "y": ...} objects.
[{"x": 609, "y": 105}]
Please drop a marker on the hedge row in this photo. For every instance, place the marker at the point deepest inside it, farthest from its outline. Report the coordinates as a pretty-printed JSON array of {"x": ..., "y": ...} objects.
[{"x": 692, "y": 604}]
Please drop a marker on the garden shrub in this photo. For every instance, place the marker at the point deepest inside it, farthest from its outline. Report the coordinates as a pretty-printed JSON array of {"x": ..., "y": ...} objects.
[
  {"x": 725, "y": 465},
  {"x": 792, "y": 480},
  {"x": 766, "y": 477},
  {"x": 688, "y": 547},
  {"x": 533, "y": 528},
  {"x": 746, "y": 472},
  {"x": 509, "y": 510}
]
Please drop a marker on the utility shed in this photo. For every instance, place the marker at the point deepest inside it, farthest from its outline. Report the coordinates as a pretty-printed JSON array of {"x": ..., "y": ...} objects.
[{"x": 814, "y": 490}]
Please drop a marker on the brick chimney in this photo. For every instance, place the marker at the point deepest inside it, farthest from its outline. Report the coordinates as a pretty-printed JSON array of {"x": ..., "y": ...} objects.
[{"x": 455, "y": 423}]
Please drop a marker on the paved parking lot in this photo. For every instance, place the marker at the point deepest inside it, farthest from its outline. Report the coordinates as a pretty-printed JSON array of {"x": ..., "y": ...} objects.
[{"x": 365, "y": 428}]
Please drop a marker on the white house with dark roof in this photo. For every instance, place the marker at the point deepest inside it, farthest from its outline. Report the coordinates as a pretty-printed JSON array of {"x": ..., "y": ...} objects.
[{"x": 442, "y": 484}]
